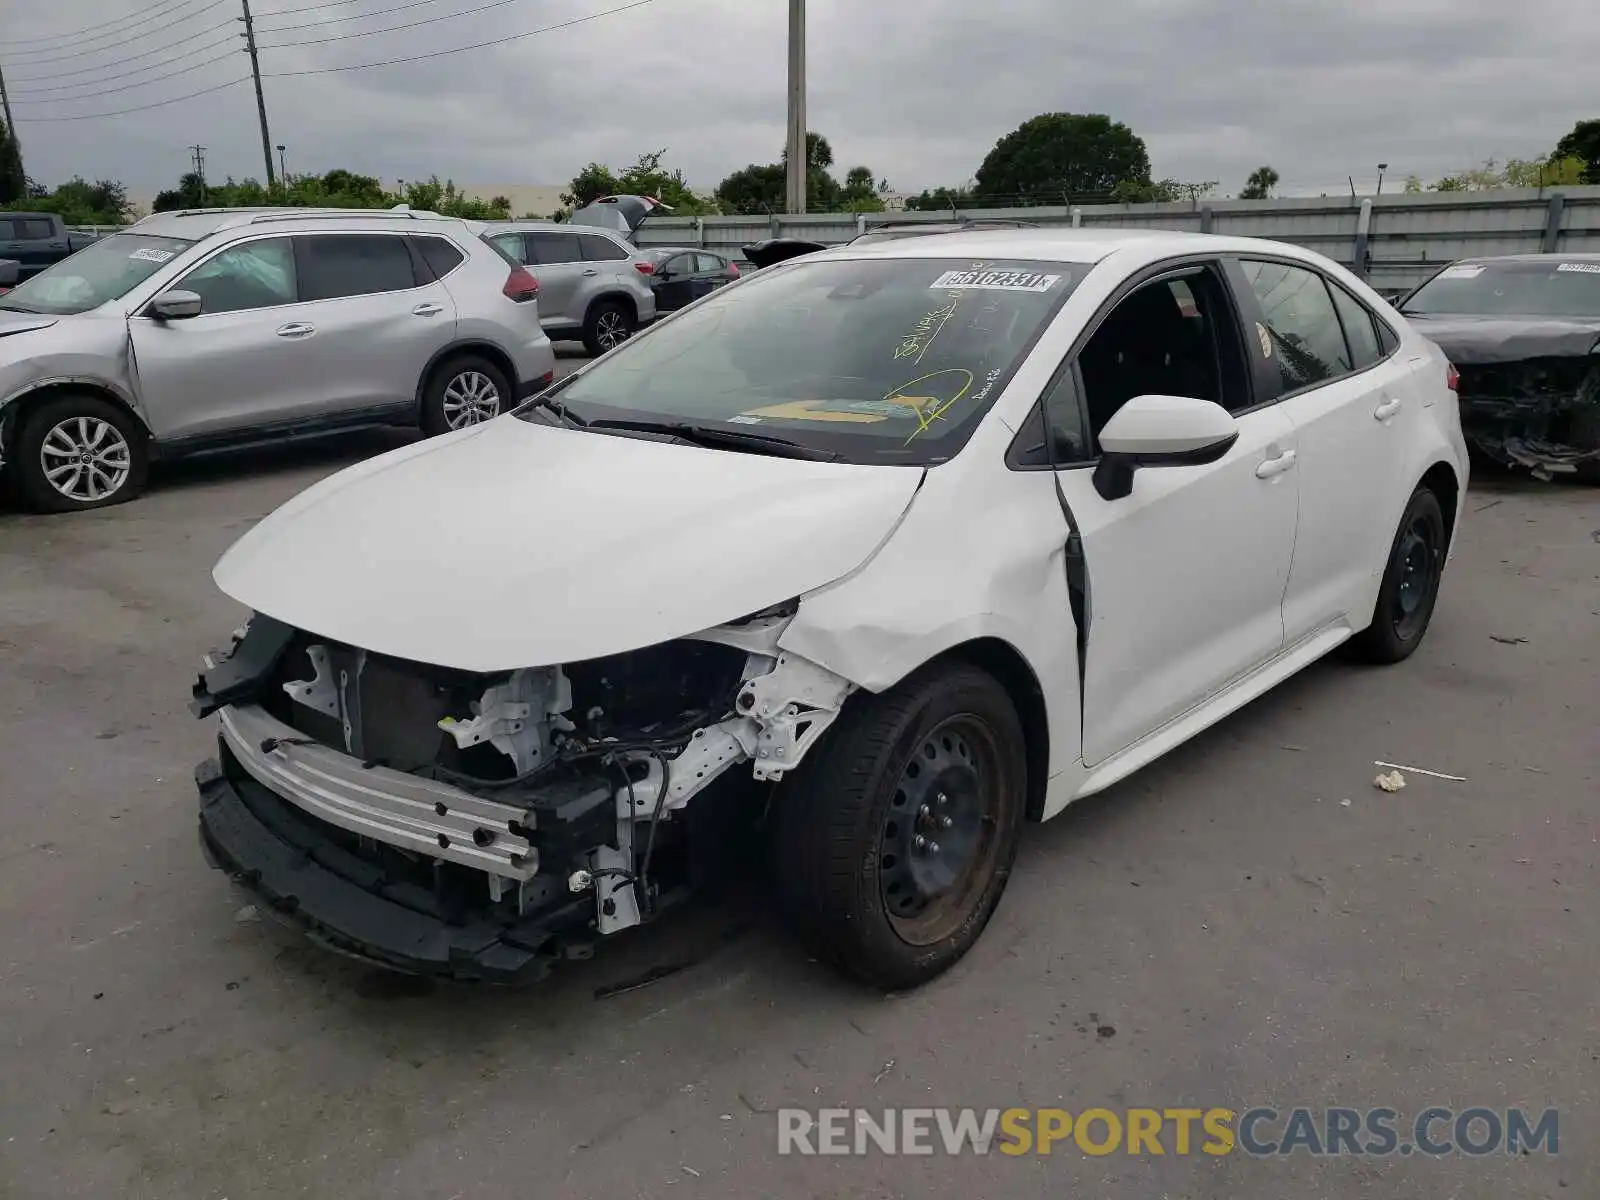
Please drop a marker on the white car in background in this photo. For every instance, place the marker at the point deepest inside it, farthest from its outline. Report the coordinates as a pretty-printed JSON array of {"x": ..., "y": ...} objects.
[{"x": 892, "y": 547}]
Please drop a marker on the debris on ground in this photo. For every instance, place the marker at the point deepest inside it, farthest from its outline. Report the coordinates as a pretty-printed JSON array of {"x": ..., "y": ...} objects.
[
  {"x": 1508, "y": 641},
  {"x": 1345, "y": 803},
  {"x": 1392, "y": 782},
  {"x": 1419, "y": 771},
  {"x": 247, "y": 914}
]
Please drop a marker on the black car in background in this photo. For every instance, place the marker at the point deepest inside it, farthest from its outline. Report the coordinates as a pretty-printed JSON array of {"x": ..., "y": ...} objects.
[
  {"x": 683, "y": 274},
  {"x": 1523, "y": 332}
]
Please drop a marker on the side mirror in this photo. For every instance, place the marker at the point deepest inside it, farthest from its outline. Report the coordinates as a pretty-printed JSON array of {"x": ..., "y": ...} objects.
[
  {"x": 1160, "y": 431},
  {"x": 176, "y": 306}
]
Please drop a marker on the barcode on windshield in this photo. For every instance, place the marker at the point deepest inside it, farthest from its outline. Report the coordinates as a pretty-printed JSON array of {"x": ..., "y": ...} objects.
[{"x": 994, "y": 281}]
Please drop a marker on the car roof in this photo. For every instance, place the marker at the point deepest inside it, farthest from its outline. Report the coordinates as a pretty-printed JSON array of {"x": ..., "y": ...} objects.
[
  {"x": 553, "y": 227},
  {"x": 1056, "y": 244},
  {"x": 196, "y": 223},
  {"x": 1553, "y": 256}
]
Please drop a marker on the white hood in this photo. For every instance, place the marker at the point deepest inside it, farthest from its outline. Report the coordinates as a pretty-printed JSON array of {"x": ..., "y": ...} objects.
[{"x": 518, "y": 545}]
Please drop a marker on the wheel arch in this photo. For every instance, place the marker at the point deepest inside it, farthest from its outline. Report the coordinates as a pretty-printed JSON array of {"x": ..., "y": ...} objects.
[
  {"x": 1442, "y": 481},
  {"x": 613, "y": 295},
  {"x": 15, "y": 409},
  {"x": 460, "y": 349}
]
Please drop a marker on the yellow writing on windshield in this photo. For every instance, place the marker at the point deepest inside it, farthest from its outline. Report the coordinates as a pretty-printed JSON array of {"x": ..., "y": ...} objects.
[
  {"x": 915, "y": 344},
  {"x": 932, "y": 403}
]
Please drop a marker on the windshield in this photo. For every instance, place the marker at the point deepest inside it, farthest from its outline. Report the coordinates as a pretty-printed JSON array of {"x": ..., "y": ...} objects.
[
  {"x": 1554, "y": 288},
  {"x": 875, "y": 360},
  {"x": 105, "y": 270}
]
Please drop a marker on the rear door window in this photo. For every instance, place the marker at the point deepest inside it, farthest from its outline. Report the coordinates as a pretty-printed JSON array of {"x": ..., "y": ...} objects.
[
  {"x": 709, "y": 264},
  {"x": 441, "y": 256},
  {"x": 551, "y": 248},
  {"x": 600, "y": 249},
  {"x": 337, "y": 265},
  {"x": 35, "y": 229},
  {"x": 1359, "y": 328},
  {"x": 1301, "y": 323}
]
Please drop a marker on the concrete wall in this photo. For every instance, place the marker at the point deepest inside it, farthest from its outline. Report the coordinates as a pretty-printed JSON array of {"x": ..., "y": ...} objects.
[{"x": 1399, "y": 242}]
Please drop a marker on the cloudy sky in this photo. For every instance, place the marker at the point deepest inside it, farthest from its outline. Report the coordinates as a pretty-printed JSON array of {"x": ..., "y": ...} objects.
[{"x": 916, "y": 89}]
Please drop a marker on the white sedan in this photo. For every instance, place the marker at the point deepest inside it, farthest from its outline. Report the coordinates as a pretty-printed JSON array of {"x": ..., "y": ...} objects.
[{"x": 874, "y": 556}]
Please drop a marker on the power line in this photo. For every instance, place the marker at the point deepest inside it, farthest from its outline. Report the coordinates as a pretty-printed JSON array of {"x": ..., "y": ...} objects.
[
  {"x": 67, "y": 87},
  {"x": 81, "y": 53},
  {"x": 169, "y": 5},
  {"x": 122, "y": 112},
  {"x": 117, "y": 62},
  {"x": 500, "y": 41},
  {"x": 382, "y": 12},
  {"x": 340, "y": 37},
  {"x": 128, "y": 87}
]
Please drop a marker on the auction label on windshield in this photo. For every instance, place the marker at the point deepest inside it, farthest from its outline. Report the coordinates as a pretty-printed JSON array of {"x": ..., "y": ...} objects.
[
  {"x": 994, "y": 281},
  {"x": 1585, "y": 268},
  {"x": 150, "y": 254}
]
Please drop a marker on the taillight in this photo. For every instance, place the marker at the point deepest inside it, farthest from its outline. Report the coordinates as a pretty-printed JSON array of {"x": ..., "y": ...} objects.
[
  {"x": 521, "y": 286},
  {"x": 644, "y": 268},
  {"x": 1452, "y": 377},
  {"x": 733, "y": 270}
]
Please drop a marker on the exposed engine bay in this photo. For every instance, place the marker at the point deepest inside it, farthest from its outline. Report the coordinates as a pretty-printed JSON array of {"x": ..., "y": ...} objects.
[
  {"x": 529, "y": 810},
  {"x": 1541, "y": 414}
]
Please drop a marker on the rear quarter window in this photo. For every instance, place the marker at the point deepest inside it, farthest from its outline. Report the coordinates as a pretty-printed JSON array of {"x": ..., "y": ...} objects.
[
  {"x": 441, "y": 256},
  {"x": 600, "y": 249}
]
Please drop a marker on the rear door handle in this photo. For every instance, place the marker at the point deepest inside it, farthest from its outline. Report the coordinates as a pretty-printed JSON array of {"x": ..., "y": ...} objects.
[
  {"x": 427, "y": 310},
  {"x": 591, "y": 271},
  {"x": 1387, "y": 409},
  {"x": 1275, "y": 466},
  {"x": 296, "y": 329}
]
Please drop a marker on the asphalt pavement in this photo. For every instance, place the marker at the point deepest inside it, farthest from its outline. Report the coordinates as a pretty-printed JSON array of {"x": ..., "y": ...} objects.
[{"x": 1248, "y": 922}]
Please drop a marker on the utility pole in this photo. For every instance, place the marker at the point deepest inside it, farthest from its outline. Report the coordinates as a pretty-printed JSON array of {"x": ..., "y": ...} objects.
[
  {"x": 5, "y": 102},
  {"x": 198, "y": 154},
  {"x": 261, "y": 100},
  {"x": 799, "y": 166}
]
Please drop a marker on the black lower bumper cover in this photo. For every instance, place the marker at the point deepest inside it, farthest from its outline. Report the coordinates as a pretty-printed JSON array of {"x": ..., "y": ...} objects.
[{"x": 350, "y": 905}]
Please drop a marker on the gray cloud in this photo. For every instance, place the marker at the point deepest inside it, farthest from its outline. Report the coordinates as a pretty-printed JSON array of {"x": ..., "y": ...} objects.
[{"x": 917, "y": 89}]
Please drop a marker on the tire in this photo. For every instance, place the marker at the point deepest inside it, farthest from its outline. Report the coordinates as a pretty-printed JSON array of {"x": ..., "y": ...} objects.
[
  {"x": 1410, "y": 587},
  {"x": 608, "y": 324},
  {"x": 104, "y": 442},
  {"x": 464, "y": 391},
  {"x": 851, "y": 880}
]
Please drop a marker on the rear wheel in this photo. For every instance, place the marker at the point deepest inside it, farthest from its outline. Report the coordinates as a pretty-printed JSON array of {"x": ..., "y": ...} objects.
[
  {"x": 609, "y": 324},
  {"x": 895, "y": 838},
  {"x": 1410, "y": 585},
  {"x": 78, "y": 452},
  {"x": 462, "y": 392}
]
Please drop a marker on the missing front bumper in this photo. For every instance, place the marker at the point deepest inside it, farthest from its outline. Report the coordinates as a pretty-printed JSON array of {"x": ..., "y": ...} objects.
[{"x": 354, "y": 906}]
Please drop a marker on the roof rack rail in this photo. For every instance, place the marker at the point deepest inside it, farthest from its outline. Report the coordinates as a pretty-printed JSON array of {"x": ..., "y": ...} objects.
[{"x": 297, "y": 214}]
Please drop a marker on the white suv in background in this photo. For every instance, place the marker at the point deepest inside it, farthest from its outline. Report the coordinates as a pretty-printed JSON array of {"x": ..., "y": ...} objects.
[{"x": 594, "y": 286}]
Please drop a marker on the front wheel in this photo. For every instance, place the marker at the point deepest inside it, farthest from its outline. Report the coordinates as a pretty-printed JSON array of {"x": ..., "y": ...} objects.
[
  {"x": 79, "y": 451},
  {"x": 462, "y": 392},
  {"x": 1410, "y": 586},
  {"x": 896, "y": 837}
]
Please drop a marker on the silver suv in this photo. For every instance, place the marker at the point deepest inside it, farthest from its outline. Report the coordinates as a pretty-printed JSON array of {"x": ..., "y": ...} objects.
[
  {"x": 594, "y": 286},
  {"x": 194, "y": 330}
]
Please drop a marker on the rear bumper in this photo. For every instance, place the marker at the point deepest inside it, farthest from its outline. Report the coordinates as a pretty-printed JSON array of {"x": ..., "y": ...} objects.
[{"x": 351, "y": 905}]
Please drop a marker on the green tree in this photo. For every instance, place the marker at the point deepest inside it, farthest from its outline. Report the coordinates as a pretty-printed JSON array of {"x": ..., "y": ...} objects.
[
  {"x": 1413, "y": 185},
  {"x": 1148, "y": 191},
  {"x": 1549, "y": 171},
  {"x": 648, "y": 177},
  {"x": 589, "y": 184},
  {"x": 79, "y": 202},
  {"x": 1260, "y": 184},
  {"x": 754, "y": 189},
  {"x": 13, "y": 179},
  {"x": 943, "y": 199},
  {"x": 1054, "y": 157},
  {"x": 1582, "y": 143}
]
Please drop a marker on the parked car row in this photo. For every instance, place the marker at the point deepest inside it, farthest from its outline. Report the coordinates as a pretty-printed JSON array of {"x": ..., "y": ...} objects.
[{"x": 35, "y": 241}]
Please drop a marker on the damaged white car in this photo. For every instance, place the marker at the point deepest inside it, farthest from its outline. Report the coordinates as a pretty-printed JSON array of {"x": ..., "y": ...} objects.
[{"x": 882, "y": 553}]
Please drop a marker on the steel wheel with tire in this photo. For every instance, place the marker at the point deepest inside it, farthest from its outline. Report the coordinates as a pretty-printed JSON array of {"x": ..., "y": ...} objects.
[
  {"x": 1410, "y": 585},
  {"x": 608, "y": 324},
  {"x": 895, "y": 838},
  {"x": 79, "y": 451},
  {"x": 463, "y": 392}
]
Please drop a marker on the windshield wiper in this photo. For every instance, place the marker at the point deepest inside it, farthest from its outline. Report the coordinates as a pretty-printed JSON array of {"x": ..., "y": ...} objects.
[
  {"x": 726, "y": 439},
  {"x": 19, "y": 308}
]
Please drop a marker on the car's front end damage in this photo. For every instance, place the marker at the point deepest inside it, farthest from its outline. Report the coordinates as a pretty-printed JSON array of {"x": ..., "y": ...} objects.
[{"x": 484, "y": 826}]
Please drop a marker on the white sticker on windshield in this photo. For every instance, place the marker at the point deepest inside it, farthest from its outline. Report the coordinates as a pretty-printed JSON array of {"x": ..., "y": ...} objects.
[
  {"x": 147, "y": 254},
  {"x": 1463, "y": 271},
  {"x": 994, "y": 281},
  {"x": 1586, "y": 268}
]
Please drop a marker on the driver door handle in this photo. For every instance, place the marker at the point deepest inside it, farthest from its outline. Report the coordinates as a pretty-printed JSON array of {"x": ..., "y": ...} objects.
[
  {"x": 296, "y": 329},
  {"x": 1387, "y": 409},
  {"x": 1275, "y": 466},
  {"x": 592, "y": 271},
  {"x": 427, "y": 310}
]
